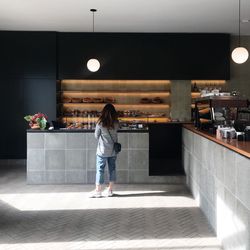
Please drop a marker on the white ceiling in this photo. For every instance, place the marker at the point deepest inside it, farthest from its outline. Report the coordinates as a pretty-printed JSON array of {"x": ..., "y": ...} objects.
[{"x": 125, "y": 15}]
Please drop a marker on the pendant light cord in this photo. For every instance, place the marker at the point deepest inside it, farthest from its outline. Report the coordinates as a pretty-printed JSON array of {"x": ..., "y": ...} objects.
[
  {"x": 239, "y": 23},
  {"x": 93, "y": 21},
  {"x": 93, "y": 18}
]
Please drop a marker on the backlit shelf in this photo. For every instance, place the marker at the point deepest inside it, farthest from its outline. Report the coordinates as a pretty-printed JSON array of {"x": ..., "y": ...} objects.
[
  {"x": 208, "y": 82},
  {"x": 73, "y": 81},
  {"x": 113, "y": 93},
  {"x": 200, "y": 106},
  {"x": 122, "y": 119},
  {"x": 119, "y": 105},
  {"x": 195, "y": 94}
]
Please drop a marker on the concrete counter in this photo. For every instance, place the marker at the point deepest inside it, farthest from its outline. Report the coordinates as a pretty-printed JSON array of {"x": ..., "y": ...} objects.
[
  {"x": 218, "y": 177},
  {"x": 69, "y": 157}
]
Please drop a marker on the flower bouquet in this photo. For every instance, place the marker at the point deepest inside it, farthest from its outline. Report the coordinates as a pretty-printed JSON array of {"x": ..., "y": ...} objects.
[{"x": 37, "y": 121}]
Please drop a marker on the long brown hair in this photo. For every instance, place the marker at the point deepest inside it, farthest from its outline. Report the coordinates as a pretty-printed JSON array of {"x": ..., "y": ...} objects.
[{"x": 108, "y": 116}]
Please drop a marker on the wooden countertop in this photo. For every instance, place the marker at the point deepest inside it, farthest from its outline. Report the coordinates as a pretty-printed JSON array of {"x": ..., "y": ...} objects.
[{"x": 241, "y": 147}]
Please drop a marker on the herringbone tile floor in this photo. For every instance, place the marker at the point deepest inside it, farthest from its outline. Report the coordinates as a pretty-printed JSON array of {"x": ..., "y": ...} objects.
[{"x": 149, "y": 217}]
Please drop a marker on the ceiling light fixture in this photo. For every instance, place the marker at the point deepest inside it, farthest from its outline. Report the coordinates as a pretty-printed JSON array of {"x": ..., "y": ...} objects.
[
  {"x": 240, "y": 54},
  {"x": 93, "y": 64}
]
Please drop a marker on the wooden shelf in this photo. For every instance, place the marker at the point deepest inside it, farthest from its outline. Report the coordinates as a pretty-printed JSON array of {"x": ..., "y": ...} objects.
[
  {"x": 122, "y": 119},
  {"x": 120, "y": 93},
  {"x": 208, "y": 82},
  {"x": 121, "y": 105},
  {"x": 126, "y": 93},
  {"x": 200, "y": 106},
  {"x": 195, "y": 94},
  {"x": 83, "y": 81}
]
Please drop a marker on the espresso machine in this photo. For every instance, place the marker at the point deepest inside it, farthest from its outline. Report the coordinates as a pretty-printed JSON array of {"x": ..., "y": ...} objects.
[{"x": 214, "y": 111}]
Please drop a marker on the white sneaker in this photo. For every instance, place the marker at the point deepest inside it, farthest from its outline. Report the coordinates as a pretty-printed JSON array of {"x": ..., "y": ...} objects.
[
  {"x": 108, "y": 193},
  {"x": 95, "y": 194}
]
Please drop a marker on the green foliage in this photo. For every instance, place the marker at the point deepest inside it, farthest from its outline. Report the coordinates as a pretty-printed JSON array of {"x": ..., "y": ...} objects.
[
  {"x": 42, "y": 123},
  {"x": 38, "y": 119},
  {"x": 28, "y": 118}
]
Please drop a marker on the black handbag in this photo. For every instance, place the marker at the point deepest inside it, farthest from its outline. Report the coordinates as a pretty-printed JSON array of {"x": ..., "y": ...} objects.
[{"x": 117, "y": 145}]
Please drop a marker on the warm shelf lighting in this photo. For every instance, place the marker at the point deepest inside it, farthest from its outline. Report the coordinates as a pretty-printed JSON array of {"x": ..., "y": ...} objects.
[
  {"x": 208, "y": 82},
  {"x": 111, "y": 94},
  {"x": 124, "y": 119},
  {"x": 195, "y": 94},
  {"x": 73, "y": 81},
  {"x": 118, "y": 105}
]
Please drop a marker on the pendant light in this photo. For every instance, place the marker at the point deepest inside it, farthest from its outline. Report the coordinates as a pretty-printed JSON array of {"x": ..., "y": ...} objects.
[
  {"x": 240, "y": 54},
  {"x": 93, "y": 64}
]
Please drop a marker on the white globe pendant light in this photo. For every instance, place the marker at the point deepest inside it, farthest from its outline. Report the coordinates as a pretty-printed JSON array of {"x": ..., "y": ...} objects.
[
  {"x": 239, "y": 54},
  {"x": 93, "y": 64}
]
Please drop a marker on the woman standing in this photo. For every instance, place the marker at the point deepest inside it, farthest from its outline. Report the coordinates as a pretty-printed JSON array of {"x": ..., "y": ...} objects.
[{"x": 106, "y": 134}]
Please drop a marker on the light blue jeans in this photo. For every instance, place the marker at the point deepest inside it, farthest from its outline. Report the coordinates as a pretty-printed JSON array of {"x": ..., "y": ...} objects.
[{"x": 100, "y": 166}]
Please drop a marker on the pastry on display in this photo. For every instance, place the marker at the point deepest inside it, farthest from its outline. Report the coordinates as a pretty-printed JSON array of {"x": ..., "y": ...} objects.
[
  {"x": 109, "y": 100},
  {"x": 66, "y": 99},
  {"x": 157, "y": 100},
  {"x": 68, "y": 112},
  {"x": 120, "y": 113},
  {"x": 98, "y": 100},
  {"x": 145, "y": 100},
  {"x": 76, "y": 100},
  {"x": 76, "y": 112},
  {"x": 157, "y": 115},
  {"x": 87, "y": 99},
  {"x": 76, "y": 125}
]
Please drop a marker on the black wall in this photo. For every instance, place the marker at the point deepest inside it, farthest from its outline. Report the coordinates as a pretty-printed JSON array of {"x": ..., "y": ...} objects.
[
  {"x": 165, "y": 149},
  {"x": 27, "y": 85},
  {"x": 30, "y": 63},
  {"x": 145, "y": 55}
]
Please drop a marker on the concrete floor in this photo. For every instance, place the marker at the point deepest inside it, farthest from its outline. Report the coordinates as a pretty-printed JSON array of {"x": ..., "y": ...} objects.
[{"x": 149, "y": 217}]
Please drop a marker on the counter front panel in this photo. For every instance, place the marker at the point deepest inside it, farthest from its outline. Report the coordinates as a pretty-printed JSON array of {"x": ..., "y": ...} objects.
[{"x": 56, "y": 157}]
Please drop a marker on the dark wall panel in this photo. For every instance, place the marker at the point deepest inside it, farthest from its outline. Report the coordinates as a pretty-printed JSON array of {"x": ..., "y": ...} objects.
[
  {"x": 27, "y": 85},
  {"x": 40, "y": 96},
  {"x": 27, "y": 54},
  {"x": 144, "y": 55},
  {"x": 30, "y": 63},
  {"x": 22, "y": 97}
]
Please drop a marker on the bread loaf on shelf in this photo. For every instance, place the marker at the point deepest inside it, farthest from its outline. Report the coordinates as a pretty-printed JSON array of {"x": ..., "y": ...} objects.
[
  {"x": 66, "y": 99},
  {"x": 76, "y": 100},
  {"x": 157, "y": 100},
  {"x": 145, "y": 100},
  {"x": 109, "y": 100},
  {"x": 87, "y": 100},
  {"x": 98, "y": 100}
]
